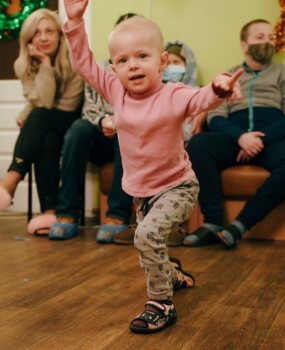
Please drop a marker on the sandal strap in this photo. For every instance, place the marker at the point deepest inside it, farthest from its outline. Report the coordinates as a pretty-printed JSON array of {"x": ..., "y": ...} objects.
[
  {"x": 155, "y": 320},
  {"x": 153, "y": 317},
  {"x": 150, "y": 317},
  {"x": 181, "y": 283},
  {"x": 160, "y": 307}
]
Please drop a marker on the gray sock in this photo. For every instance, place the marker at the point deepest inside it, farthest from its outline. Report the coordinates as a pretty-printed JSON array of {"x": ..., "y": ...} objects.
[
  {"x": 228, "y": 236},
  {"x": 212, "y": 227},
  {"x": 240, "y": 226}
]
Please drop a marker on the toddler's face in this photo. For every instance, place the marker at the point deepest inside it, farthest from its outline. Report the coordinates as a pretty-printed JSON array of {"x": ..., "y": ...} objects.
[{"x": 137, "y": 60}]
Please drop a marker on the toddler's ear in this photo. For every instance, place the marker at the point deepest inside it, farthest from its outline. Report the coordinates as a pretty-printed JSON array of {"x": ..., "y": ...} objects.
[{"x": 163, "y": 60}]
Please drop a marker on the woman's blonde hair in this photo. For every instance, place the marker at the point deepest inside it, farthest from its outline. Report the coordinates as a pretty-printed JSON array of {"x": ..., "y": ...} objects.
[{"x": 25, "y": 65}]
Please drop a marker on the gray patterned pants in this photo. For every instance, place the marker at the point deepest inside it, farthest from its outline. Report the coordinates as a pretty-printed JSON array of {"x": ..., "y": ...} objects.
[{"x": 156, "y": 216}]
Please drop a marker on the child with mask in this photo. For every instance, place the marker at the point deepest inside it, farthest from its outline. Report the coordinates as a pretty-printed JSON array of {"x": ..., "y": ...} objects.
[
  {"x": 157, "y": 170},
  {"x": 182, "y": 67}
]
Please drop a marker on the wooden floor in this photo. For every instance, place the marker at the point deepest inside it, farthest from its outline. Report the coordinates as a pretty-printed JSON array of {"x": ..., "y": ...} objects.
[{"x": 78, "y": 294}]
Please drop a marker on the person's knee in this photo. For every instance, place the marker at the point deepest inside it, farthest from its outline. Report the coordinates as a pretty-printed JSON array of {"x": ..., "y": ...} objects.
[
  {"x": 141, "y": 237},
  {"x": 198, "y": 141},
  {"x": 201, "y": 145},
  {"x": 52, "y": 142},
  {"x": 38, "y": 117},
  {"x": 39, "y": 112},
  {"x": 79, "y": 131}
]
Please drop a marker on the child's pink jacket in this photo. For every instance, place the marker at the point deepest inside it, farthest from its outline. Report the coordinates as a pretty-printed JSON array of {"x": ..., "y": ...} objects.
[{"x": 149, "y": 127}]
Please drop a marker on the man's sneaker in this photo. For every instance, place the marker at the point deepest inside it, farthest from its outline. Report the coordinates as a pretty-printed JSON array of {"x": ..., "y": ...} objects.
[
  {"x": 126, "y": 236},
  {"x": 177, "y": 235},
  {"x": 107, "y": 232}
]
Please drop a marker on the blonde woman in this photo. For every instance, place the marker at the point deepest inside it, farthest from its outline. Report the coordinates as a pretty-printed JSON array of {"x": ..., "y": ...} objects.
[{"x": 54, "y": 95}]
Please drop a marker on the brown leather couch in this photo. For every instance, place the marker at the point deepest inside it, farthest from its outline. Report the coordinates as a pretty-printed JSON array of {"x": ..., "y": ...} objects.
[{"x": 238, "y": 184}]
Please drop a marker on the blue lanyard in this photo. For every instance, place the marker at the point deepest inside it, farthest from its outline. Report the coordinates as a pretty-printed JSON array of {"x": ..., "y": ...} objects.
[
  {"x": 250, "y": 95},
  {"x": 250, "y": 102}
]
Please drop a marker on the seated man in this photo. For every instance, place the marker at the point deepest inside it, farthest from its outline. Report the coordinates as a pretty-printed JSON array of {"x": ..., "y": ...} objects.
[{"x": 252, "y": 131}]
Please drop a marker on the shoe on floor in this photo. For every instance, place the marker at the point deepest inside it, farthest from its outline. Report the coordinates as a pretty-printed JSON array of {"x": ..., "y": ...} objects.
[
  {"x": 126, "y": 236},
  {"x": 177, "y": 235},
  {"x": 156, "y": 317},
  {"x": 107, "y": 232},
  {"x": 62, "y": 229},
  {"x": 200, "y": 237},
  {"x": 230, "y": 239},
  {"x": 40, "y": 223},
  {"x": 5, "y": 199}
]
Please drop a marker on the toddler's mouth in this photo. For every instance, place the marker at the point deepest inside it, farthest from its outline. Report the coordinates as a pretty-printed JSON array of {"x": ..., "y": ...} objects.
[{"x": 135, "y": 77}]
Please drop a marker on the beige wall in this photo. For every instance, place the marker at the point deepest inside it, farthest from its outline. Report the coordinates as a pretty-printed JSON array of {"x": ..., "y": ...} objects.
[{"x": 210, "y": 27}]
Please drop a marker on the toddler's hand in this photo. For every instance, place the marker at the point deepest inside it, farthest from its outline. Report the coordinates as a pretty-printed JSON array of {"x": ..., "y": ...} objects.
[
  {"x": 75, "y": 10},
  {"x": 230, "y": 84}
]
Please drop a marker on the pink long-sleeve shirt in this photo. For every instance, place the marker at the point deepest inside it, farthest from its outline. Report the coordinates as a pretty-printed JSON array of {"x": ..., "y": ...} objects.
[{"x": 149, "y": 126}]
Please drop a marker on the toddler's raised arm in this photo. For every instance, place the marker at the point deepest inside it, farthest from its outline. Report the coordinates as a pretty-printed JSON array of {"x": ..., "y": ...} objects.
[{"x": 75, "y": 10}]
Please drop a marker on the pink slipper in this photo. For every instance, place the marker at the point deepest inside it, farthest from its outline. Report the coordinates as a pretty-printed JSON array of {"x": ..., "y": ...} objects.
[
  {"x": 41, "y": 222},
  {"x": 5, "y": 199}
]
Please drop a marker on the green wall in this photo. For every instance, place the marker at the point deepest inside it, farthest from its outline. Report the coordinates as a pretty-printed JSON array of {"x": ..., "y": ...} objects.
[{"x": 210, "y": 28}]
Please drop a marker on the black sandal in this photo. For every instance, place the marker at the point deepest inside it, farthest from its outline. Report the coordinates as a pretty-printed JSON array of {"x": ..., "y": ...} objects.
[
  {"x": 155, "y": 320},
  {"x": 181, "y": 284},
  {"x": 235, "y": 234}
]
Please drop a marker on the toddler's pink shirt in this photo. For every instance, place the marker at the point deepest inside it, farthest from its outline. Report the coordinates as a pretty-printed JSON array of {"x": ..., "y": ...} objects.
[{"x": 149, "y": 126}]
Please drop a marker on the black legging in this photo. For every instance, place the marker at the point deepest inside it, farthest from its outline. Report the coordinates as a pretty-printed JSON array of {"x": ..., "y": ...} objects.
[
  {"x": 211, "y": 152},
  {"x": 40, "y": 142}
]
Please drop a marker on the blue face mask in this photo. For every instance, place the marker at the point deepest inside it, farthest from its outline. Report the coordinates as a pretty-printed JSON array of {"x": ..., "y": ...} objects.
[{"x": 174, "y": 73}]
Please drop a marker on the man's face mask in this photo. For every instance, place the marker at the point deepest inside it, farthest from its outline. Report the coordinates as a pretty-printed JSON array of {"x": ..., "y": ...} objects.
[
  {"x": 174, "y": 73},
  {"x": 261, "y": 53}
]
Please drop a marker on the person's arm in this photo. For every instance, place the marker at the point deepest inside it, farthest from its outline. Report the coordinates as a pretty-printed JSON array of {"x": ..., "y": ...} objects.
[
  {"x": 94, "y": 108},
  {"x": 198, "y": 122},
  {"x": 212, "y": 95},
  {"x": 84, "y": 62},
  {"x": 71, "y": 96},
  {"x": 91, "y": 108},
  {"x": 39, "y": 90},
  {"x": 98, "y": 112}
]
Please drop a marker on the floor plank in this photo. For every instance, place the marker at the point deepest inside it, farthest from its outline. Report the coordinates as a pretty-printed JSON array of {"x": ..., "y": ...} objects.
[{"x": 78, "y": 294}]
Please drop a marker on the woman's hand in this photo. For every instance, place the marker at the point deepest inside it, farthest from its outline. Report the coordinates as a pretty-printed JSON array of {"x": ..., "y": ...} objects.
[{"x": 34, "y": 52}]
